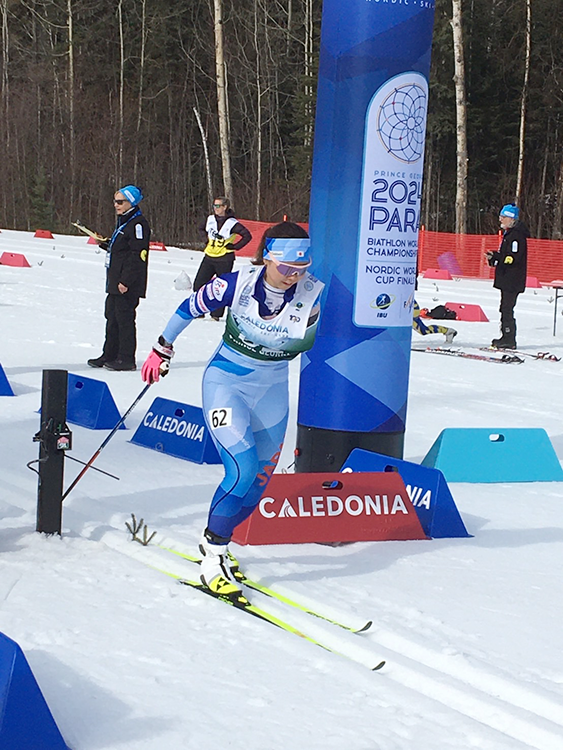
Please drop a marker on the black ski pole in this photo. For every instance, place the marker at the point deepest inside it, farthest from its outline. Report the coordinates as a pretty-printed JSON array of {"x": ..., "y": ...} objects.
[{"x": 89, "y": 463}]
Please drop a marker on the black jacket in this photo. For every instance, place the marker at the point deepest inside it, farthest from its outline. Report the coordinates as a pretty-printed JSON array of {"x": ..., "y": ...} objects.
[
  {"x": 511, "y": 259},
  {"x": 129, "y": 254}
]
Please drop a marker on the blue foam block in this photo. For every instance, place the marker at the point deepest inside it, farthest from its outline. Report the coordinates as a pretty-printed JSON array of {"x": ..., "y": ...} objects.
[
  {"x": 495, "y": 455},
  {"x": 178, "y": 430},
  {"x": 26, "y": 722},
  {"x": 5, "y": 387},
  {"x": 90, "y": 404},
  {"x": 427, "y": 489}
]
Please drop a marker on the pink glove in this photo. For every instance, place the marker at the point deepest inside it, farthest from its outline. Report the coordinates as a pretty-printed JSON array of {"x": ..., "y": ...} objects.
[{"x": 153, "y": 368}]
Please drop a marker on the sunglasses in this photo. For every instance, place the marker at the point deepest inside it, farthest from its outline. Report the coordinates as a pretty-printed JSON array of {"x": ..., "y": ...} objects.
[
  {"x": 119, "y": 201},
  {"x": 287, "y": 269},
  {"x": 218, "y": 205}
]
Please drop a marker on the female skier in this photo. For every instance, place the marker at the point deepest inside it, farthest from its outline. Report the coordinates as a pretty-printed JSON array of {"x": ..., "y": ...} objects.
[{"x": 273, "y": 315}]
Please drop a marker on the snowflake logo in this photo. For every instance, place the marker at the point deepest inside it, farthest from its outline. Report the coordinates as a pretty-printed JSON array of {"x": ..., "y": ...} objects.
[{"x": 401, "y": 122}]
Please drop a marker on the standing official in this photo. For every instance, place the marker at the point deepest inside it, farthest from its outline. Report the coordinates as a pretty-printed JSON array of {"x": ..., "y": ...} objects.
[
  {"x": 220, "y": 231},
  {"x": 510, "y": 262},
  {"x": 126, "y": 280}
]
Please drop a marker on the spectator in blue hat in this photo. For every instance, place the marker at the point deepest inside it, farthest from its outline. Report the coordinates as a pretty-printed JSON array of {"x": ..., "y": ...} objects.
[
  {"x": 126, "y": 280},
  {"x": 510, "y": 263}
]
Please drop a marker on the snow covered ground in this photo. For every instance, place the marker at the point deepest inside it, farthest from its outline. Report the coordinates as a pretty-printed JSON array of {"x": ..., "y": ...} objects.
[{"x": 127, "y": 658}]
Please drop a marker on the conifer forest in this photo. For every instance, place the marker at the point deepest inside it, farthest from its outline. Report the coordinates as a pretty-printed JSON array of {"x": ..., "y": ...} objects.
[{"x": 190, "y": 98}]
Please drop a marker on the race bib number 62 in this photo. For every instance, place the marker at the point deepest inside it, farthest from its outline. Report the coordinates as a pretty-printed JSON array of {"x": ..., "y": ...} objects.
[{"x": 220, "y": 417}]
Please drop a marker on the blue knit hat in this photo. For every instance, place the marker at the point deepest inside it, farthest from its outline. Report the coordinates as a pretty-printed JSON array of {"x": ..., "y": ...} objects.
[
  {"x": 510, "y": 210},
  {"x": 132, "y": 193}
]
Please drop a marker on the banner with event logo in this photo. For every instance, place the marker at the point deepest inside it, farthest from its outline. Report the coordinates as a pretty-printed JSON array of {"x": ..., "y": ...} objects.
[{"x": 390, "y": 202}]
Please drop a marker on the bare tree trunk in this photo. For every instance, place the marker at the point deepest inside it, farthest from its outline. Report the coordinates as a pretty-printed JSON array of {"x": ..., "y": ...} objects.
[
  {"x": 5, "y": 77},
  {"x": 141, "y": 83},
  {"x": 222, "y": 101},
  {"x": 308, "y": 70},
  {"x": 121, "y": 90},
  {"x": 4, "y": 107},
  {"x": 57, "y": 125},
  {"x": 72, "y": 133},
  {"x": 428, "y": 184},
  {"x": 289, "y": 25},
  {"x": 206, "y": 156},
  {"x": 558, "y": 214},
  {"x": 438, "y": 193},
  {"x": 258, "y": 116},
  {"x": 461, "y": 120},
  {"x": 38, "y": 94},
  {"x": 541, "y": 206},
  {"x": 524, "y": 99}
]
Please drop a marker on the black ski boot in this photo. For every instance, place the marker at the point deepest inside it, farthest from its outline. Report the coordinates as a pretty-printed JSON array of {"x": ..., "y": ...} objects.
[
  {"x": 98, "y": 361},
  {"x": 508, "y": 338},
  {"x": 120, "y": 365}
]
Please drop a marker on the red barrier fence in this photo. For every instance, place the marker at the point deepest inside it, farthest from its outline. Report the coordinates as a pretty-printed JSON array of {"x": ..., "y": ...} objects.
[
  {"x": 464, "y": 255},
  {"x": 460, "y": 254}
]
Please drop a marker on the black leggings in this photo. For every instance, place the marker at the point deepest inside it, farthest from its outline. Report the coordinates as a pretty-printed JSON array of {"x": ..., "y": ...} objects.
[{"x": 211, "y": 267}]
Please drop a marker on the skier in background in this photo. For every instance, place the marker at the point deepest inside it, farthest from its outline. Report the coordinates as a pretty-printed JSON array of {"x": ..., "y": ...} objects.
[
  {"x": 425, "y": 330},
  {"x": 220, "y": 230},
  {"x": 273, "y": 315},
  {"x": 510, "y": 263}
]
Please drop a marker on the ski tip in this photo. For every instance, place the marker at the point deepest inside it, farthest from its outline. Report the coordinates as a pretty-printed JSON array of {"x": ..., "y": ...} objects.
[
  {"x": 379, "y": 666},
  {"x": 367, "y": 626}
]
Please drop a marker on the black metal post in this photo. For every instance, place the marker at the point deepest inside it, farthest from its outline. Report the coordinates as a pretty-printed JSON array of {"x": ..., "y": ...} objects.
[
  {"x": 54, "y": 438},
  {"x": 556, "y": 289}
]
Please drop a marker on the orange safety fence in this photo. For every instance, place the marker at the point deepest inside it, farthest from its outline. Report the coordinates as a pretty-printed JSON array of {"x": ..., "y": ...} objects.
[{"x": 464, "y": 255}]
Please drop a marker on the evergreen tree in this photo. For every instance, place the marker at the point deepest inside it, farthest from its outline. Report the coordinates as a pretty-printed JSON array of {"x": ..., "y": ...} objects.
[{"x": 41, "y": 213}]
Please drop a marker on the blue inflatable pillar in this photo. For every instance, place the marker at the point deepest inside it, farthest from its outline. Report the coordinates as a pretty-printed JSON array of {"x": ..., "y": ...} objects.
[{"x": 364, "y": 216}]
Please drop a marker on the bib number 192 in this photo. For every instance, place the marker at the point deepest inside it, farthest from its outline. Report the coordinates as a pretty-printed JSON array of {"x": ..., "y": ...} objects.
[{"x": 220, "y": 417}]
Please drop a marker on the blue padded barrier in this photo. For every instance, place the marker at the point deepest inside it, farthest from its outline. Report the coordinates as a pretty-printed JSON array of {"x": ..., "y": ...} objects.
[
  {"x": 5, "y": 387},
  {"x": 427, "y": 489},
  {"x": 90, "y": 404},
  {"x": 178, "y": 430},
  {"x": 476, "y": 454},
  {"x": 26, "y": 723}
]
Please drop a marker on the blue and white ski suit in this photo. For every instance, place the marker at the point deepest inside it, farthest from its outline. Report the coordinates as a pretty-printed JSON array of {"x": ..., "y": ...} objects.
[{"x": 245, "y": 384}]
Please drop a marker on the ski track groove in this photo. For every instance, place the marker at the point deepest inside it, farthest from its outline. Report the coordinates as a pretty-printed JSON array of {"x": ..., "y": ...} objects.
[{"x": 477, "y": 693}]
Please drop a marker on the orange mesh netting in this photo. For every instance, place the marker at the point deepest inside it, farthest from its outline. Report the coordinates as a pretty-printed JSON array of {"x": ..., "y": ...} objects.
[{"x": 464, "y": 255}]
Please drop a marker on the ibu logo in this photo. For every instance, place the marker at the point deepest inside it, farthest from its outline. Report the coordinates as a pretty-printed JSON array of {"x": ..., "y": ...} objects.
[{"x": 383, "y": 301}]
